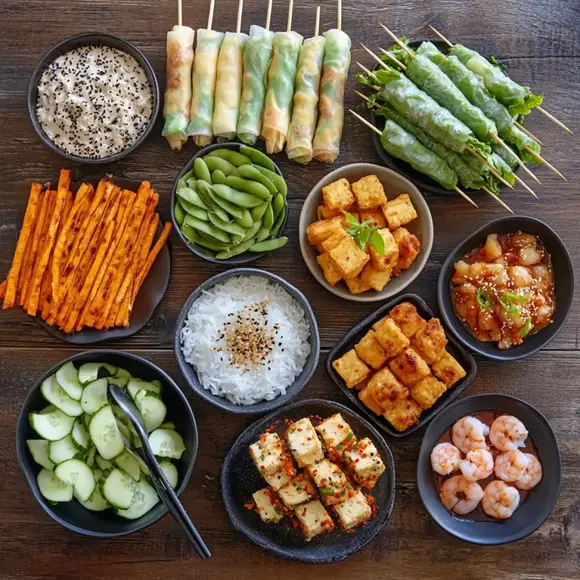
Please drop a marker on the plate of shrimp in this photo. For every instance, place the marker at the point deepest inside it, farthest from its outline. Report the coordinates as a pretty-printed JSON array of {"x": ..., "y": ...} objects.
[{"x": 489, "y": 469}]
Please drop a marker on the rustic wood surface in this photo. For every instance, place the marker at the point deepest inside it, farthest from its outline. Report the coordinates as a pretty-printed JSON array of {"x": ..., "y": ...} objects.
[{"x": 541, "y": 43}]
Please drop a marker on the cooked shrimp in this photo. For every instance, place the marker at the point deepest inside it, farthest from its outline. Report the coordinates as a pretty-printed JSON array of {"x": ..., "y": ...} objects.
[
  {"x": 500, "y": 500},
  {"x": 469, "y": 433},
  {"x": 460, "y": 495},
  {"x": 445, "y": 458},
  {"x": 520, "y": 276},
  {"x": 511, "y": 465},
  {"x": 532, "y": 475},
  {"x": 478, "y": 464},
  {"x": 507, "y": 433},
  {"x": 492, "y": 247}
]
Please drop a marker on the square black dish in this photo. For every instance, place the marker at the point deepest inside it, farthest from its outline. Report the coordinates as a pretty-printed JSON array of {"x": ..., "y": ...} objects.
[{"x": 359, "y": 330}]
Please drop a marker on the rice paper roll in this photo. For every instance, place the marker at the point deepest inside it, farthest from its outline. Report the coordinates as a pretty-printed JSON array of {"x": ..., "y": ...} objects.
[
  {"x": 257, "y": 57},
  {"x": 203, "y": 85},
  {"x": 502, "y": 167},
  {"x": 281, "y": 79},
  {"x": 178, "y": 91},
  {"x": 335, "y": 67},
  {"x": 305, "y": 102},
  {"x": 228, "y": 86}
]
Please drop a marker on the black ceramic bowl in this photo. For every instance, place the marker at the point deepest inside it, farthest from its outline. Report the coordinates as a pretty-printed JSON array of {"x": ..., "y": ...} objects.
[
  {"x": 536, "y": 507},
  {"x": 73, "y": 515},
  {"x": 239, "y": 479},
  {"x": 91, "y": 39},
  {"x": 190, "y": 375},
  {"x": 203, "y": 253},
  {"x": 355, "y": 335},
  {"x": 563, "y": 286}
]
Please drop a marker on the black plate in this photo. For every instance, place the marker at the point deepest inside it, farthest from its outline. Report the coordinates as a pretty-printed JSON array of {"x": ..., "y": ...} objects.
[
  {"x": 150, "y": 295},
  {"x": 538, "y": 504},
  {"x": 73, "y": 515},
  {"x": 239, "y": 479},
  {"x": 563, "y": 287},
  {"x": 355, "y": 335}
]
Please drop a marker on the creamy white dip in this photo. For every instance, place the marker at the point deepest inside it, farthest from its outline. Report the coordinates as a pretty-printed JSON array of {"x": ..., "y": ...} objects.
[{"x": 94, "y": 101}]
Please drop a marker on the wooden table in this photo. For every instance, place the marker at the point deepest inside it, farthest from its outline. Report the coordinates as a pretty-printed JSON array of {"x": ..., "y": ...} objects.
[{"x": 541, "y": 43}]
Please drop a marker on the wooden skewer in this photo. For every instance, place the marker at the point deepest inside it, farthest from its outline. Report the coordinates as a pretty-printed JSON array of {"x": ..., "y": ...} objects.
[
  {"x": 179, "y": 13},
  {"x": 317, "y": 23},
  {"x": 511, "y": 152},
  {"x": 269, "y": 15},
  {"x": 398, "y": 41},
  {"x": 540, "y": 158},
  {"x": 339, "y": 16},
  {"x": 210, "y": 15},
  {"x": 371, "y": 53},
  {"x": 496, "y": 198},
  {"x": 525, "y": 186},
  {"x": 239, "y": 21},
  {"x": 441, "y": 36},
  {"x": 369, "y": 72},
  {"x": 528, "y": 133},
  {"x": 290, "y": 13},
  {"x": 552, "y": 118},
  {"x": 491, "y": 167},
  {"x": 393, "y": 58}
]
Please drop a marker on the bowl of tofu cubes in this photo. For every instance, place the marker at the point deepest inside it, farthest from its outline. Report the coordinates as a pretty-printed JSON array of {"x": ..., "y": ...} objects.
[
  {"x": 366, "y": 232},
  {"x": 312, "y": 482},
  {"x": 399, "y": 367}
]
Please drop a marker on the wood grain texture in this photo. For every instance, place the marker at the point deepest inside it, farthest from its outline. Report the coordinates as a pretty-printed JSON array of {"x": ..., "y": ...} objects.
[{"x": 540, "y": 41}]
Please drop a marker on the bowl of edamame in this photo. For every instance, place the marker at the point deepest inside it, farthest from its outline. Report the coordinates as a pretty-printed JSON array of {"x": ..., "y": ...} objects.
[{"x": 229, "y": 204}]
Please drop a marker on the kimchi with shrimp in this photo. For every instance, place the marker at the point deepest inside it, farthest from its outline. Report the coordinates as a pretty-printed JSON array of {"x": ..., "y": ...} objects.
[{"x": 503, "y": 291}]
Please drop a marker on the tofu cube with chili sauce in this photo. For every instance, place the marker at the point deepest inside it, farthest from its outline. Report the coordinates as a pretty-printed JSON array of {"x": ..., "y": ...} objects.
[
  {"x": 331, "y": 274},
  {"x": 321, "y": 230},
  {"x": 388, "y": 260},
  {"x": 374, "y": 216},
  {"x": 386, "y": 389},
  {"x": 338, "y": 195},
  {"x": 409, "y": 247},
  {"x": 369, "y": 192},
  {"x": 430, "y": 341},
  {"x": 366, "y": 397},
  {"x": 407, "y": 318},
  {"x": 331, "y": 482},
  {"x": 348, "y": 259},
  {"x": 351, "y": 368},
  {"x": 399, "y": 211},
  {"x": 336, "y": 434},
  {"x": 304, "y": 443},
  {"x": 391, "y": 338},
  {"x": 314, "y": 519},
  {"x": 298, "y": 491},
  {"x": 278, "y": 479},
  {"x": 427, "y": 391},
  {"x": 370, "y": 350},
  {"x": 331, "y": 242},
  {"x": 268, "y": 454},
  {"x": 357, "y": 285},
  {"x": 404, "y": 414},
  {"x": 353, "y": 512},
  {"x": 365, "y": 462},
  {"x": 448, "y": 370},
  {"x": 268, "y": 505},
  {"x": 409, "y": 367},
  {"x": 376, "y": 279}
]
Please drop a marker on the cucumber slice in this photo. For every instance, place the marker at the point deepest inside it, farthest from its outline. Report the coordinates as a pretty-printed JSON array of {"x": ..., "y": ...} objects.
[
  {"x": 63, "y": 450},
  {"x": 90, "y": 460},
  {"x": 76, "y": 473},
  {"x": 94, "y": 396},
  {"x": 80, "y": 435},
  {"x": 135, "y": 386},
  {"x": 56, "y": 395},
  {"x": 95, "y": 503},
  {"x": 89, "y": 372},
  {"x": 105, "y": 433},
  {"x": 144, "y": 499},
  {"x": 124, "y": 430},
  {"x": 47, "y": 410},
  {"x": 53, "y": 425},
  {"x": 97, "y": 474},
  {"x": 157, "y": 383},
  {"x": 127, "y": 462},
  {"x": 122, "y": 373},
  {"x": 39, "y": 450},
  {"x": 166, "y": 443},
  {"x": 52, "y": 488},
  {"x": 170, "y": 472},
  {"x": 68, "y": 378},
  {"x": 117, "y": 488},
  {"x": 119, "y": 381},
  {"x": 142, "y": 465},
  {"x": 103, "y": 463},
  {"x": 152, "y": 409},
  {"x": 168, "y": 425}
]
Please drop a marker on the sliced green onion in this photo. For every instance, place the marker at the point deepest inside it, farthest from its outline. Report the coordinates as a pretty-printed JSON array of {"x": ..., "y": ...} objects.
[
  {"x": 513, "y": 298},
  {"x": 483, "y": 298},
  {"x": 525, "y": 329}
]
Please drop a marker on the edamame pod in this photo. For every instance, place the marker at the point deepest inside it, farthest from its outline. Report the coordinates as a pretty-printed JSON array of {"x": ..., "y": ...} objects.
[
  {"x": 250, "y": 172},
  {"x": 269, "y": 217},
  {"x": 207, "y": 228},
  {"x": 236, "y": 250},
  {"x": 258, "y": 212},
  {"x": 214, "y": 163},
  {"x": 179, "y": 214},
  {"x": 194, "y": 237},
  {"x": 230, "y": 228},
  {"x": 192, "y": 183},
  {"x": 240, "y": 198},
  {"x": 236, "y": 212},
  {"x": 276, "y": 179},
  {"x": 257, "y": 157},
  {"x": 269, "y": 245},
  {"x": 248, "y": 186},
  {"x": 278, "y": 205},
  {"x": 194, "y": 211},
  {"x": 201, "y": 170},
  {"x": 278, "y": 223},
  {"x": 218, "y": 176},
  {"x": 191, "y": 196},
  {"x": 188, "y": 175},
  {"x": 246, "y": 220},
  {"x": 230, "y": 155},
  {"x": 263, "y": 234},
  {"x": 205, "y": 194},
  {"x": 253, "y": 230}
]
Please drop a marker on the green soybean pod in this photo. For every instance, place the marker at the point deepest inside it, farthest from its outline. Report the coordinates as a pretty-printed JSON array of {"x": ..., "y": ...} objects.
[
  {"x": 253, "y": 230},
  {"x": 258, "y": 212},
  {"x": 236, "y": 250},
  {"x": 205, "y": 194},
  {"x": 179, "y": 213},
  {"x": 230, "y": 155},
  {"x": 250, "y": 172},
  {"x": 257, "y": 157},
  {"x": 246, "y": 220},
  {"x": 218, "y": 176},
  {"x": 252, "y": 187},
  {"x": 201, "y": 170},
  {"x": 278, "y": 223},
  {"x": 191, "y": 196},
  {"x": 278, "y": 205},
  {"x": 235, "y": 211},
  {"x": 263, "y": 234},
  {"x": 194, "y": 237},
  {"x": 240, "y": 198},
  {"x": 237, "y": 239},
  {"x": 269, "y": 217},
  {"x": 194, "y": 211},
  {"x": 214, "y": 163},
  {"x": 228, "y": 227},
  {"x": 276, "y": 179},
  {"x": 188, "y": 175},
  {"x": 207, "y": 228},
  {"x": 191, "y": 182},
  {"x": 269, "y": 245}
]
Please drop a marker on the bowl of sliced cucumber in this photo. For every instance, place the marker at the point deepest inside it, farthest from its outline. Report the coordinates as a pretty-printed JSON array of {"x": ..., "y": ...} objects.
[{"x": 80, "y": 454}]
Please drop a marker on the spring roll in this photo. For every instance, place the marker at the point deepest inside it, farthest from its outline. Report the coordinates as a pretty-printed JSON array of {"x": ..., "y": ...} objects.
[
  {"x": 304, "y": 110},
  {"x": 178, "y": 90},
  {"x": 335, "y": 67},
  {"x": 228, "y": 86},
  {"x": 203, "y": 86},
  {"x": 257, "y": 57},
  {"x": 281, "y": 79}
]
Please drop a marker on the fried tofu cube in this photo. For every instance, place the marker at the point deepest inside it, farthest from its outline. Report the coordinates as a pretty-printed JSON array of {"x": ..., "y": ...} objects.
[
  {"x": 407, "y": 318},
  {"x": 353, "y": 512},
  {"x": 357, "y": 285},
  {"x": 409, "y": 247},
  {"x": 298, "y": 491},
  {"x": 430, "y": 341},
  {"x": 380, "y": 322},
  {"x": 448, "y": 370},
  {"x": 278, "y": 479},
  {"x": 304, "y": 443},
  {"x": 331, "y": 274},
  {"x": 366, "y": 397},
  {"x": 369, "y": 192},
  {"x": 374, "y": 216},
  {"x": 427, "y": 391},
  {"x": 386, "y": 389},
  {"x": 388, "y": 260},
  {"x": 348, "y": 259},
  {"x": 338, "y": 195},
  {"x": 365, "y": 463},
  {"x": 314, "y": 519},
  {"x": 403, "y": 415},
  {"x": 376, "y": 279},
  {"x": 336, "y": 434},
  {"x": 351, "y": 368},
  {"x": 399, "y": 211},
  {"x": 331, "y": 482},
  {"x": 323, "y": 212},
  {"x": 409, "y": 367},
  {"x": 370, "y": 351},
  {"x": 268, "y": 505},
  {"x": 391, "y": 338},
  {"x": 319, "y": 231},
  {"x": 331, "y": 242},
  {"x": 268, "y": 454}
]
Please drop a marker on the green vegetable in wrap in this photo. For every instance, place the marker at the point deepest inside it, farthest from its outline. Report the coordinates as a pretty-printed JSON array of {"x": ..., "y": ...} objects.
[
  {"x": 502, "y": 167},
  {"x": 509, "y": 159}
]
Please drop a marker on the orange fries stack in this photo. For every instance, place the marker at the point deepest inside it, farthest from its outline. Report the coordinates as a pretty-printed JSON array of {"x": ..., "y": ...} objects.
[{"x": 81, "y": 260}]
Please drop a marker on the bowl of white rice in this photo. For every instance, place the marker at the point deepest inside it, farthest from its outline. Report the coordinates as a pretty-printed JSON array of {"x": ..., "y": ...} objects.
[{"x": 247, "y": 341}]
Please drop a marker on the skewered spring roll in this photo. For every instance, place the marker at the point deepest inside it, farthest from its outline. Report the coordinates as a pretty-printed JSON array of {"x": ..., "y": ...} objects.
[
  {"x": 203, "y": 85},
  {"x": 335, "y": 67},
  {"x": 257, "y": 57},
  {"x": 178, "y": 90},
  {"x": 228, "y": 86},
  {"x": 281, "y": 79},
  {"x": 305, "y": 104}
]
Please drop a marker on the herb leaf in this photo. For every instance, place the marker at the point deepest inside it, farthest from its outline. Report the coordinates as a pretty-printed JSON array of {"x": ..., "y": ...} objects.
[
  {"x": 363, "y": 238},
  {"x": 378, "y": 243},
  {"x": 513, "y": 298},
  {"x": 525, "y": 329},
  {"x": 365, "y": 233},
  {"x": 483, "y": 299},
  {"x": 351, "y": 220}
]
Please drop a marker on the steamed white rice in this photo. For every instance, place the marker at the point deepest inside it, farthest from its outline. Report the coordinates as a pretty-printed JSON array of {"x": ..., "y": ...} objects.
[{"x": 207, "y": 346}]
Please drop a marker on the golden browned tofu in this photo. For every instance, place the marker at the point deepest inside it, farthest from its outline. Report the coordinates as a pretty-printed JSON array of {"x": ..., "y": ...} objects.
[
  {"x": 374, "y": 216},
  {"x": 430, "y": 341},
  {"x": 448, "y": 370},
  {"x": 356, "y": 285},
  {"x": 368, "y": 400},
  {"x": 331, "y": 242},
  {"x": 348, "y": 258},
  {"x": 409, "y": 367},
  {"x": 391, "y": 338},
  {"x": 330, "y": 272},
  {"x": 376, "y": 279},
  {"x": 351, "y": 368},
  {"x": 385, "y": 389},
  {"x": 380, "y": 322},
  {"x": 388, "y": 260},
  {"x": 407, "y": 318},
  {"x": 399, "y": 211},
  {"x": 427, "y": 391},
  {"x": 409, "y": 247},
  {"x": 319, "y": 231},
  {"x": 338, "y": 195},
  {"x": 369, "y": 192},
  {"x": 370, "y": 351},
  {"x": 403, "y": 414},
  {"x": 323, "y": 212}
]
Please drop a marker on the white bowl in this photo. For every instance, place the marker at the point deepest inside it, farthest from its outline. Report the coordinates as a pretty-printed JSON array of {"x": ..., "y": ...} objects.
[{"x": 394, "y": 184}]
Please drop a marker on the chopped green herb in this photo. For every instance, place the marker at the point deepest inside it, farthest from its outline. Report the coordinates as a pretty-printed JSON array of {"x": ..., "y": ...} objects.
[
  {"x": 483, "y": 298},
  {"x": 513, "y": 298},
  {"x": 326, "y": 491},
  {"x": 511, "y": 309},
  {"x": 278, "y": 511},
  {"x": 349, "y": 437},
  {"x": 364, "y": 233},
  {"x": 525, "y": 329}
]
